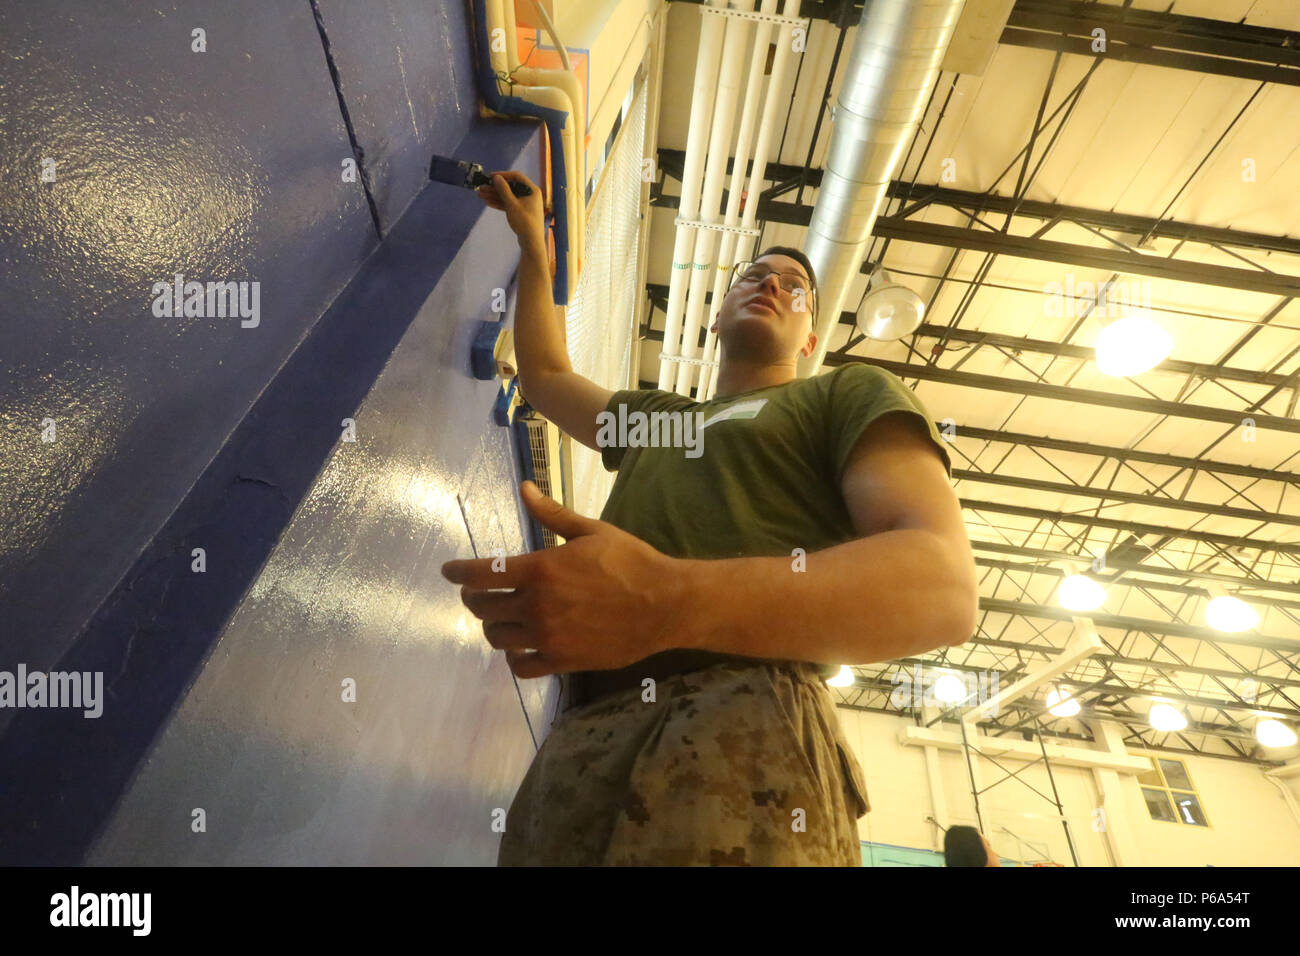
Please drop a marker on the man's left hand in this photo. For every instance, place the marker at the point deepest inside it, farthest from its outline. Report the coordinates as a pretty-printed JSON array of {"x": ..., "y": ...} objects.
[{"x": 603, "y": 600}]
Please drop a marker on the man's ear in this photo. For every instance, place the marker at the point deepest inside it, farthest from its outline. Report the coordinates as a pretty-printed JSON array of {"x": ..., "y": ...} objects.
[
  {"x": 714, "y": 327},
  {"x": 807, "y": 350}
]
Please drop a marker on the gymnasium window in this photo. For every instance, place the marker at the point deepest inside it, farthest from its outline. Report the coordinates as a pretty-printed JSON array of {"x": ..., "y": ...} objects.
[{"x": 1169, "y": 794}]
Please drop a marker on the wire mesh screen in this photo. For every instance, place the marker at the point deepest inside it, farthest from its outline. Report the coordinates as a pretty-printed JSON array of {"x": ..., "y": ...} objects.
[
  {"x": 544, "y": 470},
  {"x": 600, "y": 313}
]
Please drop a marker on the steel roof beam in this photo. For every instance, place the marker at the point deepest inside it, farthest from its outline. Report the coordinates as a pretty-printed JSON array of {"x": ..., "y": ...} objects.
[
  {"x": 1107, "y": 658},
  {"x": 1107, "y": 690},
  {"x": 1135, "y": 527},
  {"x": 1132, "y": 497},
  {"x": 1086, "y": 257},
  {"x": 1043, "y": 250},
  {"x": 1064, "y": 393},
  {"x": 1044, "y": 347},
  {"x": 1128, "y": 568},
  {"x": 1157, "y": 39},
  {"x": 658, "y": 293},
  {"x": 1118, "y": 690},
  {"x": 995, "y": 724},
  {"x": 965, "y": 200},
  {"x": 1131, "y": 53},
  {"x": 1126, "y": 454},
  {"x": 1123, "y": 623}
]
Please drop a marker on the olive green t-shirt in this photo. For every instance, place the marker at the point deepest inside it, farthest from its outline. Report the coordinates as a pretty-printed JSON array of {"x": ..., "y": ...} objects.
[{"x": 759, "y": 479}]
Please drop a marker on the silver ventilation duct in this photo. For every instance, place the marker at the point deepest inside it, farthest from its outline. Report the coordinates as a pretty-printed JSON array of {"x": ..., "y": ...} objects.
[{"x": 897, "y": 54}]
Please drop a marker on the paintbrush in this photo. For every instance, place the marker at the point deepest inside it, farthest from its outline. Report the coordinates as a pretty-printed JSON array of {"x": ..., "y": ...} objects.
[{"x": 458, "y": 172}]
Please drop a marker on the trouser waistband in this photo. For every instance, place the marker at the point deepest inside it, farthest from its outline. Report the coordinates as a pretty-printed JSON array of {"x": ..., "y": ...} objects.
[{"x": 599, "y": 685}]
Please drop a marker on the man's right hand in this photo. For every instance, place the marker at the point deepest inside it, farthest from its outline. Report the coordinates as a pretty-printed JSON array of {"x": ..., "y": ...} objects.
[{"x": 525, "y": 215}]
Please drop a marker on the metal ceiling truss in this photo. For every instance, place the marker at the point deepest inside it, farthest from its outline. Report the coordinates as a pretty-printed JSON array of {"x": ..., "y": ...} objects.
[
  {"x": 1169, "y": 40},
  {"x": 1065, "y": 393},
  {"x": 874, "y": 696},
  {"x": 1122, "y": 574},
  {"x": 1080, "y": 396},
  {"x": 874, "y": 689},
  {"x": 1124, "y": 260},
  {"x": 1157, "y": 39},
  {"x": 1133, "y": 527},
  {"x": 786, "y": 178},
  {"x": 991, "y": 645},
  {"x": 1013, "y": 346}
]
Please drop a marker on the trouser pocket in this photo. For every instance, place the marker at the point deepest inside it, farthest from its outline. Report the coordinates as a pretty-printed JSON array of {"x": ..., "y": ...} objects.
[{"x": 847, "y": 766}]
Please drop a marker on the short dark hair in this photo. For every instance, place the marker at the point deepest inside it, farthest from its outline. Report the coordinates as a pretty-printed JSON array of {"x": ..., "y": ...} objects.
[
  {"x": 962, "y": 846},
  {"x": 800, "y": 258}
]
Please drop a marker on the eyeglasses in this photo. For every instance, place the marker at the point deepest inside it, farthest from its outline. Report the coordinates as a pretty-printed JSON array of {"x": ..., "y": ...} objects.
[{"x": 791, "y": 282}]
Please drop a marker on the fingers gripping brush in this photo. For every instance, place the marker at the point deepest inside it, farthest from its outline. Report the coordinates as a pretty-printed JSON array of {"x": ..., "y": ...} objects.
[{"x": 470, "y": 175}]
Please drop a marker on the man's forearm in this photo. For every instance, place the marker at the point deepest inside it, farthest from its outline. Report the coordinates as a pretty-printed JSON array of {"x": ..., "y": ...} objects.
[
  {"x": 877, "y": 598},
  {"x": 539, "y": 339}
]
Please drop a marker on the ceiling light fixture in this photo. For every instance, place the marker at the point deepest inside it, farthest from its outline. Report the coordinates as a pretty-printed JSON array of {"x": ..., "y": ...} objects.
[
  {"x": 890, "y": 310},
  {"x": 1227, "y": 613},
  {"x": 843, "y": 679},
  {"x": 1166, "y": 717},
  {"x": 1131, "y": 346},
  {"x": 1078, "y": 592},
  {"x": 1273, "y": 733},
  {"x": 950, "y": 689},
  {"x": 1061, "y": 704}
]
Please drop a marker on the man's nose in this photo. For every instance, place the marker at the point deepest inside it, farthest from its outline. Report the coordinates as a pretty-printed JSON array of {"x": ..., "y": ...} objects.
[{"x": 770, "y": 281}]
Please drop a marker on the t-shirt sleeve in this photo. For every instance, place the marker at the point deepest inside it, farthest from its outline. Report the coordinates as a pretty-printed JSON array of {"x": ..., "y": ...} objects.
[
  {"x": 635, "y": 400},
  {"x": 859, "y": 395}
]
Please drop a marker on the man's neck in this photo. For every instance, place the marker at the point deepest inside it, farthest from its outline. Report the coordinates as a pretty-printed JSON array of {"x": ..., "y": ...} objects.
[{"x": 740, "y": 376}]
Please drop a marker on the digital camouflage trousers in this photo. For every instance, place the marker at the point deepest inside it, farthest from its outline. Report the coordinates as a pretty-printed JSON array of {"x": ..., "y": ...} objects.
[{"x": 735, "y": 765}]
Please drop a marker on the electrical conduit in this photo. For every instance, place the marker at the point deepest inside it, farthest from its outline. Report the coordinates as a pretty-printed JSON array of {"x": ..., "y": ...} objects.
[
  {"x": 706, "y": 74},
  {"x": 766, "y": 128},
  {"x": 555, "y": 89},
  {"x": 744, "y": 142},
  {"x": 896, "y": 57},
  {"x": 715, "y": 171},
  {"x": 489, "y": 65}
]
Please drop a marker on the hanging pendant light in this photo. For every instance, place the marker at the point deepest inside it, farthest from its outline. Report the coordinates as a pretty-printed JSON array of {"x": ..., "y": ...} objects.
[
  {"x": 889, "y": 311},
  {"x": 1227, "y": 613},
  {"x": 1271, "y": 732},
  {"x": 1078, "y": 592},
  {"x": 1131, "y": 346},
  {"x": 1166, "y": 717},
  {"x": 1061, "y": 703}
]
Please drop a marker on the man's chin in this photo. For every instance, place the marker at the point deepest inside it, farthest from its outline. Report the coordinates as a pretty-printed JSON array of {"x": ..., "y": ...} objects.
[{"x": 758, "y": 345}]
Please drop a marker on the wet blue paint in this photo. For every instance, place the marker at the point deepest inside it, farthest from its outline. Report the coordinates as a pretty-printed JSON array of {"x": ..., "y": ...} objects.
[
  {"x": 406, "y": 71},
  {"x": 222, "y": 165},
  {"x": 322, "y": 555}
]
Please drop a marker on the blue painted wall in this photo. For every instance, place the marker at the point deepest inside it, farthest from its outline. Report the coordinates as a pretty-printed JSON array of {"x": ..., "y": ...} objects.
[{"x": 224, "y": 688}]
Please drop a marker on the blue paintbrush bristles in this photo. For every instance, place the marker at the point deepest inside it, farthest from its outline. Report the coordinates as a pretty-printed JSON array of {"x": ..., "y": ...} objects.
[
  {"x": 444, "y": 170},
  {"x": 455, "y": 172}
]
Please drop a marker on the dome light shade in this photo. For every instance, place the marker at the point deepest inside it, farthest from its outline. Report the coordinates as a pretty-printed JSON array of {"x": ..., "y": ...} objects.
[
  {"x": 1132, "y": 346},
  {"x": 950, "y": 689},
  {"x": 843, "y": 679},
  {"x": 1079, "y": 592},
  {"x": 1230, "y": 614},
  {"x": 1061, "y": 704},
  {"x": 889, "y": 311},
  {"x": 1167, "y": 717},
  {"x": 1274, "y": 733}
]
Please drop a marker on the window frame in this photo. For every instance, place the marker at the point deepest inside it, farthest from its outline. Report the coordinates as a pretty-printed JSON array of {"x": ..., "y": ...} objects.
[{"x": 1170, "y": 791}]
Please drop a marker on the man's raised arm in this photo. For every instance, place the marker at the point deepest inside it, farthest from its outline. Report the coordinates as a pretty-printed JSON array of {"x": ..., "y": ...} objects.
[{"x": 546, "y": 377}]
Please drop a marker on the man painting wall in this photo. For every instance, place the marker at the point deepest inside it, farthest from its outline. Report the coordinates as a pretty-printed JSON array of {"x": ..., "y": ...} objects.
[{"x": 814, "y": 526}]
